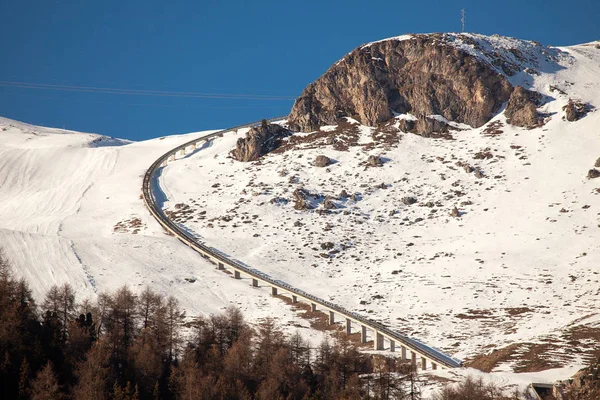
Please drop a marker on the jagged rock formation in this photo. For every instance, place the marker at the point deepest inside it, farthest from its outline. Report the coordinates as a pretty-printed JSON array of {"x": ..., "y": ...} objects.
[
  {"x": 521, "y": 109},
  {"x": 259, "y": 141},
  {"x": 575, "y": 110},
  {"x": 421, "y": 75}
]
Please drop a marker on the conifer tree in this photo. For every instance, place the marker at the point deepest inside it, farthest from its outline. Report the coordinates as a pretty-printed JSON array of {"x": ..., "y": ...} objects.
[{"x": 45, "y": 385}]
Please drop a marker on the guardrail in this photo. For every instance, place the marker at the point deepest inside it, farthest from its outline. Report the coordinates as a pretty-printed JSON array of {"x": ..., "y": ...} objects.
[{"x": 434, "y": 355}]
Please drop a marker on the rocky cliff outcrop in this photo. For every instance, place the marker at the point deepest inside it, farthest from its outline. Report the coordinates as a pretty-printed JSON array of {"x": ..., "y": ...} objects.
[
  {"x": 521, "y": 109},
  {"x": 421, "y": 75},
  {"x": 259, "y": 141}
]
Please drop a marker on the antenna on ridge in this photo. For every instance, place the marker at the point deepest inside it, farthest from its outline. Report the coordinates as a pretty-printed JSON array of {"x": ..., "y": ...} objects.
[{"x": 463, "y": 19}]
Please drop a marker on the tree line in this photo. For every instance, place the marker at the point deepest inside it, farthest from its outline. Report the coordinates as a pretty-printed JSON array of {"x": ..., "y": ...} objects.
[{"x": 129, "y": 346}]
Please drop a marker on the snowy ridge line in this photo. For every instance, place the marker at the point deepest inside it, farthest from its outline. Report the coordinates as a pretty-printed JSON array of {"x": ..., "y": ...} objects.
[{"x": 426, "y": 352}]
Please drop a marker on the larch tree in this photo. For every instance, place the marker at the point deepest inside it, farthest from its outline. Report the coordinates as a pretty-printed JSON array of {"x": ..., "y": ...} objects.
[{"x": 45, "y": 385}]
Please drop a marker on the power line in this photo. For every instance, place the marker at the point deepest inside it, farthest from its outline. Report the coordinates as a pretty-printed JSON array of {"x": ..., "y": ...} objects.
[{"x": 138, "y": 92}]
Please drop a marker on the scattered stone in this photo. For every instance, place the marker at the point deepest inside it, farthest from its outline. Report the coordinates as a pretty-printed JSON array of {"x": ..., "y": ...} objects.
[
  {"x": 300, "y": 199},
  {"x": 468, "y": 169},
  {"x": 408, "y": 200},
  {"x": 327, "y": 245},
  {"x": 374, "y": 161},
  {"x": 593, "y": 173},
  {"x": 597, "y": 164},
  {"x": 478, "y": 173},
  {"x": 329, "y": 205},
  {"x": 343, "y": 194},
  {"x": 323, "y": 161},
  {"x": 455, "y": 213},
  {"x": 483, "y": 155}
]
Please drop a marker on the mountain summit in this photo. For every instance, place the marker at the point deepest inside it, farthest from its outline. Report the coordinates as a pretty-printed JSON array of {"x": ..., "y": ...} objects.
[{"x": 465, "y": 78}]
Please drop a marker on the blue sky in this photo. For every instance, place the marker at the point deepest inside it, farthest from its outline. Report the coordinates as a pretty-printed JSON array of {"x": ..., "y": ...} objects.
[{"x": 254, "y": 48}]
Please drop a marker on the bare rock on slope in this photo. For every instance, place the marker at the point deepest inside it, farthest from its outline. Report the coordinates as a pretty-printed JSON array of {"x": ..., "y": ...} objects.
[
  {"x": 323, "y": 161},
  {"x": 593, "y": 174},
  {"x": 422, "y": 76},
  {"x": 575, "y": 110},
  {"x": 521, "y": 109},
  {"x": 259, "y": 141},
  {"x": 374, "y": 161}
]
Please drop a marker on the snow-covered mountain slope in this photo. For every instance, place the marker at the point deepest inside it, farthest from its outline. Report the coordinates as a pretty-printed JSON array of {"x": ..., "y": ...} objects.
[
  {"x": 71, "y": 211},
  {"x": 520, "y": 264}
]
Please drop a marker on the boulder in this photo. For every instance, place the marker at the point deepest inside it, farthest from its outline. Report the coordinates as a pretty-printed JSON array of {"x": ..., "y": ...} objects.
[
  {"x": 597, "y": 164},
  {"x": 408, "y": 200},
  {"x": 455, "y": 213},
  {"x": 575, "y": 110},
  {"x": 374, "y": 161},
  {"x": 323, "y": 161},
  {"x": 521, "y": 109},
  {"x": 300, "y": 199},
  {"x": 327, "y": 245},
  {"x": 328, "y": 204},
  {"x": 259, "y": 141},
  {"x": 593, "y": 173}
]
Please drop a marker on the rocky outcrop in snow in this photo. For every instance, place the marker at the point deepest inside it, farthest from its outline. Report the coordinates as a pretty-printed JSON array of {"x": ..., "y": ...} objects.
[
  {"x": 259, "y": 141},
  {"x": 421, "y": 75},
  {"x": 575, "y": 110},
  {"x": 521, "y": 109}
]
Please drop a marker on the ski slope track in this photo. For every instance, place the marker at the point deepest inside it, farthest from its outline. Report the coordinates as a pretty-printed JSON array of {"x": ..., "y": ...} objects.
[{"x": 426, "y": 353}]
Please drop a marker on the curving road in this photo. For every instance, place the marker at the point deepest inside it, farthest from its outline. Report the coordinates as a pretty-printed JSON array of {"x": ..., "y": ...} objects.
[{"x": 427, "y": 354}]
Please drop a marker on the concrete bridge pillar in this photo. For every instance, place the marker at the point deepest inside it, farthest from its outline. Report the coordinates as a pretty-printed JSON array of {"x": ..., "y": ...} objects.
[
  {"x": 171, "y": 157},
  {"x": 348, "y": 326},
  {"x": 331, "y": 318},
  {"x": 255, "y": 282},
  {"x": 403, "y": 350},
  {"x": 363, "y": 334},
  {"x": 273, "y": 291},
  {"x": 313, "y": 307},
  {"x": 164, "y": 163},
  {"x": 294, "y": 298},
  {"x": 220, "y": 266},
  {"x": 378, "y": 341},
  {"x": 423, "y": 363},
  {"x": 413, "y": 357},
  {"x": 236, "y": 274},
  {"x": 433, "y": 366},
  {"x": 182, "y": 152},
  {"x": 392, "y": 346}
]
